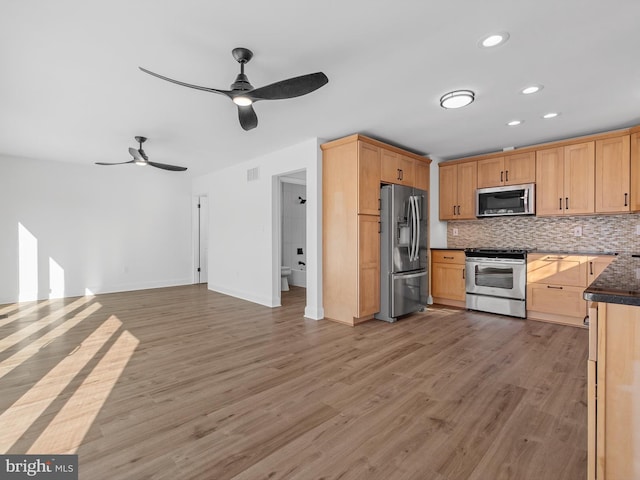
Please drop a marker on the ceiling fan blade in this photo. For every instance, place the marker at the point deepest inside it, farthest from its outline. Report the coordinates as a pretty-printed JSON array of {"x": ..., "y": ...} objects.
[
  {"x": 119, "y": 163},
  {"x": 206, "y": 89},
  {"x": 164, "y": 166},
  {"x": 248, "y": 117},
  {"x": 290, "y": 88}
]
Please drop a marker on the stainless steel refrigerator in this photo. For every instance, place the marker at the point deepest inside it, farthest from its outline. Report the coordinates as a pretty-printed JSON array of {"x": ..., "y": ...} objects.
[{"x": 403, "y": 251}]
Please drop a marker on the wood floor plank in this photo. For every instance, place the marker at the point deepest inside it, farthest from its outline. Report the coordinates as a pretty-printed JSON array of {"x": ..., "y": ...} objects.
[{"x": 219, "y": 388}]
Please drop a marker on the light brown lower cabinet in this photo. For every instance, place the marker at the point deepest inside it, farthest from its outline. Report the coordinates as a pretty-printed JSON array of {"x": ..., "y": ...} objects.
[
  {"x": 447, "y": 277},
  {"x": 613, "y": 392},
  {"x": 556, "y": 282}
]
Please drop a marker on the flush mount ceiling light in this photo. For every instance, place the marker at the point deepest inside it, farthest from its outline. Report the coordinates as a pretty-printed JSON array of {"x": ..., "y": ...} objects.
[
  {"x": 457, "y": 99},
  {"x": 531, "y": 89},
  {"x": 550, "y": 115},
  {"x": 513, "y": 123},
  {"x": 493, "y": 40}
]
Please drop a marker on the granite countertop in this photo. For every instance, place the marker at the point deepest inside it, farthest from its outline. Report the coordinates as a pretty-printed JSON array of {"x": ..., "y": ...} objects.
[
  {"x": 570, "y": 252},
  {"x": 619, "y": 283}
]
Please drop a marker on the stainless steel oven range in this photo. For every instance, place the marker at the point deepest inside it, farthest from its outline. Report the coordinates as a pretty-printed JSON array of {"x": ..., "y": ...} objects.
[{"x": 496, "y": 281}]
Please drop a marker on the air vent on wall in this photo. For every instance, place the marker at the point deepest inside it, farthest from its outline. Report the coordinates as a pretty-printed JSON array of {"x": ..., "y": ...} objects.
[{"x": 253, "y": 174}]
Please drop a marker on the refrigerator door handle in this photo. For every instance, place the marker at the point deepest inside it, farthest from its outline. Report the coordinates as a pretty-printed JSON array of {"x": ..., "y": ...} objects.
[
  {"x": 417, "y": 249},
  {"x": 414, "y": 235},
  {"x": 405, "y": 276}
]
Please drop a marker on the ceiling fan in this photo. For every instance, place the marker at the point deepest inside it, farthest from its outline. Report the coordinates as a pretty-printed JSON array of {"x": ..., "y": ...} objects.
[
  {"x": 244, "y": 95},
  {"x": 141, "y": 158}
]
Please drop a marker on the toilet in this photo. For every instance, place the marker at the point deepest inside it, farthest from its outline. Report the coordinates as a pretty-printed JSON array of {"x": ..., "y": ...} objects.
[{"x": 284, "y": 274}]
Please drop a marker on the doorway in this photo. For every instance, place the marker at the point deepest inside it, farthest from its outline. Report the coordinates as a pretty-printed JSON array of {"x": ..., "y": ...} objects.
[{"x": 292, "y": 238}]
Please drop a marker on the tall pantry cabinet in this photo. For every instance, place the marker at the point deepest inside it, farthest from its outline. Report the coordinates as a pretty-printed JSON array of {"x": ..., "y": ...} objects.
[{"x": 352, "y": 170}]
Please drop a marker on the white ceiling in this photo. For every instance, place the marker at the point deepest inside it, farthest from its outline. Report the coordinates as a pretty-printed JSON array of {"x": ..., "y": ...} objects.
[{"x": 70, "y": 88}]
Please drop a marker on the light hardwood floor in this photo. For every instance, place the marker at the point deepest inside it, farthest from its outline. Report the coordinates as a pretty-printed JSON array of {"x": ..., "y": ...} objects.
[{"x": 184, "y": 383}]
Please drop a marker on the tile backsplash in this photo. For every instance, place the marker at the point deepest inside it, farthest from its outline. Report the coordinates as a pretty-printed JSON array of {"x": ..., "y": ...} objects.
[{"x": 600, "y": 233}]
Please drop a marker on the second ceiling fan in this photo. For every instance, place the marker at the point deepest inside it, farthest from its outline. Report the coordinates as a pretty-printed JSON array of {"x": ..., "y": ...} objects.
[{"x": 244, "y": 95}]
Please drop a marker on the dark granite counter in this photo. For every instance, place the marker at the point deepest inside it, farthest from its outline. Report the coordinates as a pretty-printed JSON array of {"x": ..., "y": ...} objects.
[
  {"x": 570, "y": 252},
  {"x": 619, "y": 283},
  {"x": 445, "y": 248}
]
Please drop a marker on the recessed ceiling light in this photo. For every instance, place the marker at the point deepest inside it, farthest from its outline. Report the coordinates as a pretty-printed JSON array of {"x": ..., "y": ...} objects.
[
  {"x": 494, "y": 40},
  {"x": 550, "y": 115},
  {"x": 531, "y": 89},
  {"x": 513, "y": 123},
  {"x": 457, "y": 99}
]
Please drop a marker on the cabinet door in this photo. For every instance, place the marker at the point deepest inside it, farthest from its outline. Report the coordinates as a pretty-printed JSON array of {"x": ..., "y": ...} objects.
[
  {"x": 467, "y": 185},
  {"x": 579, "y": 181},
  {"x": 557, "y": 300},
  {"x": 569, "y": 270},
  {"x": 491, "y": 172},
  {"x": 596, "y": 266},
  {"x": 635, "y": 172},
  {"x": 613, "y": 172},
  {"x": 368, "y": 265},
  {"x": 421, "y": 172},
  {"x": 368, "y": 179},
  {"x": 448, "y": 182},
  {"x": 549, "y": 181},
  {"x": 448, "y": 281},
  {"x": 396, "y": 168},
  {"x": 520, "y": 168}
]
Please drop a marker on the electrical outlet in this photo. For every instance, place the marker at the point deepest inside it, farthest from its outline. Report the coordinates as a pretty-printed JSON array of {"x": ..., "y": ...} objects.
[
  {"x": 455, "y": 232},
  {"x": 577, "y": 231},
  {"x": 637, "y": 229},
  {"x": 637, "y": 273}
]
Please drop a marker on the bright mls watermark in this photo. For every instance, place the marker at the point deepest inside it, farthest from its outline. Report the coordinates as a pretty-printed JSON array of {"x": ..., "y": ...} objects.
[{"x": 49, "y": 467}]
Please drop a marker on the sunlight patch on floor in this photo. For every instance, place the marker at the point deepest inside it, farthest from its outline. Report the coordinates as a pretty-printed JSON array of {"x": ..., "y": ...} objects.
[
  {"x": 17, "y": 419},
  {"x": 69, "y": 427}
]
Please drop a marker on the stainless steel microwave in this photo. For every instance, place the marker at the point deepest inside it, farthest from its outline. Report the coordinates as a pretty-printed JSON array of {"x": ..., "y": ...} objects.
[{"x": 509, "y": 200}]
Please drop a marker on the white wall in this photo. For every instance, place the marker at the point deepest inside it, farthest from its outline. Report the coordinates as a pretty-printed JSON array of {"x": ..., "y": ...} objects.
[
  {"x": 294, "y": 226},
  {"x": 244, "y": 226},
  {"x": 67, "y": 228}
]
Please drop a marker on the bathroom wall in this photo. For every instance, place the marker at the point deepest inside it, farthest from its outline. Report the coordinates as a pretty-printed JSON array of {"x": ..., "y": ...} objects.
[
  {"x": 294, "y": 221},
  {"x": 602, "y": 233}
]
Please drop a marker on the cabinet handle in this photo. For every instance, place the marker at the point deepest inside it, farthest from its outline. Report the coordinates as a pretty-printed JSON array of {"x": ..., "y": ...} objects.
[
  {"x": 560, "y": 207},
  {"x": 566, "y": 203},
  {"x": 506, "y": 176},
  {"x": 463, "y": 274},
  {"x": 454, "y": 209},
  {"x": 556, "y": 288},
  {"x": 501, "y": 176},
  {"x": 458, "y": 209},
  {"x": 379, "y": 204},
  {"x": 590, "y": 268},
  {"x": 449, "y": 258},
  {"x": 379, "y": 227},
  {"x": 401, "y": 174},
  {"x": 626, "y": 204}
]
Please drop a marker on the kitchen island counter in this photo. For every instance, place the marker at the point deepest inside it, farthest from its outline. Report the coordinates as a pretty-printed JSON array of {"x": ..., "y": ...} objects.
[{"x": 619, "y": 282}]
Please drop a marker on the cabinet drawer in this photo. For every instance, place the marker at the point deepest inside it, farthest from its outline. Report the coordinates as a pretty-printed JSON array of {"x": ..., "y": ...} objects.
[
  {"x": 556, "y": 299},
  {"x": 448, "y": 256},
  {"x": 569, "y": 270}
]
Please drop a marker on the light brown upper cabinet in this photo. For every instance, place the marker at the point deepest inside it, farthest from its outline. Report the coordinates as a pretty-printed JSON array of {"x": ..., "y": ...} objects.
[
  {"x": 565, "y": 183},
  {"x": 635, "y": 172},
  {"x": 421, "y": 171},
  {"x": 512, "y": 169},
  {"x": 613, "y": 175},
  {"x": 458, "y": 183},
  {"x": 368, "y": 179},
  {"x": 397, "y": 168}
]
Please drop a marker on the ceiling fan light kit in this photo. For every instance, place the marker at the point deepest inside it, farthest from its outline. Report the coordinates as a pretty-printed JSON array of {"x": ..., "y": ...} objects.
[
  {"x": 244, "y": 95},
  {"x": 457, "y": 99}
]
